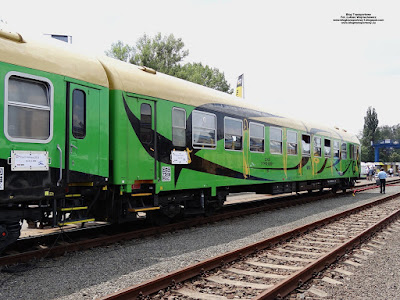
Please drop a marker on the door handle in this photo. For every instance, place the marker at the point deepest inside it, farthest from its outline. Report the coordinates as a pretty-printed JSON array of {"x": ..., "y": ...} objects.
[
  {"x": 72, "y": 146},
  {"x": 61, "y": 175}
]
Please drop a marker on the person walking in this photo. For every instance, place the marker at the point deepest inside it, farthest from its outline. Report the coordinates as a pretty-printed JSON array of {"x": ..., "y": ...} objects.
[
  {"x": 370, "y": 173},
  {"x": 382, "y": 178}
]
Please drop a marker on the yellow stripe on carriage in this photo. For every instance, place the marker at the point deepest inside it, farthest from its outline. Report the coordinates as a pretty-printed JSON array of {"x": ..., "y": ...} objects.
[
  {"x": 143, "y": 209},
  {"x": 75, "y": 222},
  {"x": 73, "y": 208}
]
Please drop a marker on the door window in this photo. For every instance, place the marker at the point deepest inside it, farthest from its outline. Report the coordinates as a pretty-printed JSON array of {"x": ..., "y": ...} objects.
[
  {"x": 146, "y": 133},
  {"x": 79, "y": 114}
]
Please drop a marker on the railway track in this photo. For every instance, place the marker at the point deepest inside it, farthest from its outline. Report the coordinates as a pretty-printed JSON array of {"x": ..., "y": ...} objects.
[
  {"x": 60, "y": 243},
  {"x": 275, "y": 267}
]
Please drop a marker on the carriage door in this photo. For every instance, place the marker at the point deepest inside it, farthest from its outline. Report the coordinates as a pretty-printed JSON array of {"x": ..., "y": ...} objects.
[
  {"x": 84, "y": 133},
  {"x": 147, "y": 135}
]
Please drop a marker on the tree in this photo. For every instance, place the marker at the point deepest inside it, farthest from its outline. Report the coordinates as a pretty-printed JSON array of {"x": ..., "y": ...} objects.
[
  {"x": 388, "y": 133},
  {"x": 373, "y": 133},
  {"x": 159, "y": 53},
  {"x": 369, "y": 134},
  {"x": 204, "y": 75},
  {"x": 120, "y": 51},
  {"x": 165, "y": 54}
]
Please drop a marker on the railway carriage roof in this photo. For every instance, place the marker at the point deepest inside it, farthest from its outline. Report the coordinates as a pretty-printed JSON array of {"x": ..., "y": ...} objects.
[{"x": 50, "y": 56}]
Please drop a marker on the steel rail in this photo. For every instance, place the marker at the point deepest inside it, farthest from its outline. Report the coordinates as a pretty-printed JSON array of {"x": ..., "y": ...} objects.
[
  {"x": 292, "y": 282},
  {"x": 153, "y": 286}
]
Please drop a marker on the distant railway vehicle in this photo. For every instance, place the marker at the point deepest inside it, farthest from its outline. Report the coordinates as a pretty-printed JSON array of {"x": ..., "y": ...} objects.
[{"x": 87, "y": 138}]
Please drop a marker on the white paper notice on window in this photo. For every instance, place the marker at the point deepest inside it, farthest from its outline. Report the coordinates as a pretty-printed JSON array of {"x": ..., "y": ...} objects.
[
  {"x": 1, "y": 178},
  {"x": 29, "y": 160},
  {"x": 179, "y": 158}
]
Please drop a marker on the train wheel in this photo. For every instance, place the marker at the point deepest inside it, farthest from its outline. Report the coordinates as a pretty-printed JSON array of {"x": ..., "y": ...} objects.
[{"x": 158, "y": 218}]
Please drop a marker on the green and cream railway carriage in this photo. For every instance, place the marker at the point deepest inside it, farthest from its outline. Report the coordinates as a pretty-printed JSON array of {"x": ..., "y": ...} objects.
[{"x": 94, "y": 138}]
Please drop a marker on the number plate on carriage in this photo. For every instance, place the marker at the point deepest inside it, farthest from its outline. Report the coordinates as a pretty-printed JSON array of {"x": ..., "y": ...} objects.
[{"x": 29, "y": 160}]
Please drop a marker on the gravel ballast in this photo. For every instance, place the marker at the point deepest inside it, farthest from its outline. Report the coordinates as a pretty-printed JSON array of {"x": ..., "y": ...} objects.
[{"x": 98, "y": 272}]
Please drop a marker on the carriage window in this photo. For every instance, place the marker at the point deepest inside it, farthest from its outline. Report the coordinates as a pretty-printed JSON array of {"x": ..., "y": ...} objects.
[
  {"x": 178, "y": 127},
  {"x": 275, "y": 140},
  {"x": 291, "y": 142},
  {"x": 317, "y": 146},
  {"x": 257, "y": 137},
  {"x": 233, "y": 134},
  {"x": 327, "y": 147},
  {"x": 204, "y": 130},
  {"x": 351, "y": 151},
  {"x": 305, "y": 144},
  {"x": 146, "y": 133},
  {"x": 28, "y": 108},
  {"x": 344, "y": 151},
  {"x": 336, "y": 150},
  {"x": 79, "y": 114},
  {"x": 357, "y": 153}
]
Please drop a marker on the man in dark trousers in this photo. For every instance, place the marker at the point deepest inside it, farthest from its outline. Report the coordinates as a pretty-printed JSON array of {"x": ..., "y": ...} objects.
[{"x": 382, "y": 178}]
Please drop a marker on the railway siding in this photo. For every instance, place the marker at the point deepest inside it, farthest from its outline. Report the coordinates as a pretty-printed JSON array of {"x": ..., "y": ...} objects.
[{"x": 241, "y": 280}]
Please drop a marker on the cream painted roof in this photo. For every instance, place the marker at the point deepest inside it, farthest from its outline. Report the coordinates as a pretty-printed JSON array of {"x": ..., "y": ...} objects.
[
  {"x": 130, "y": 78},
  {"x": 50, "y": 56}
]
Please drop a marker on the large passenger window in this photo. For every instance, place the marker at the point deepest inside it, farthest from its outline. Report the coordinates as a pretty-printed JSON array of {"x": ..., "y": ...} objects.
[
  {"x": 178, "y": 127},
  {"x": 146, "y": 132},
  {"x": 305, "y": 144},
  {"x": 233, "y": 129},
  {"x": 275, "y": 140},
  {"x": 336, "y": 150},
  {"x": 204, "y": 130},
  {"x": 28, "y": 108},
  {"x": 257, "y": 137},
  {"x": 292, "y": 142},
  {"x": 317, "y": 146},
  {"x": 327, "y": 147},
  {"x": 79, "y": 114}
]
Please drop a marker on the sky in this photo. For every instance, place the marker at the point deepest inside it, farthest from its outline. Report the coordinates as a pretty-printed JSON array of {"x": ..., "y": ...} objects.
[{"x": 296, "y": 59}]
